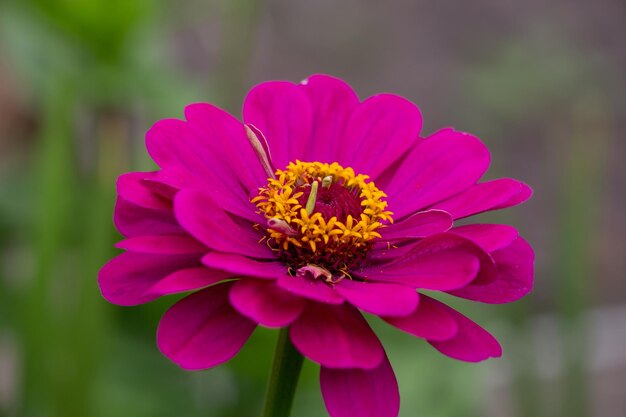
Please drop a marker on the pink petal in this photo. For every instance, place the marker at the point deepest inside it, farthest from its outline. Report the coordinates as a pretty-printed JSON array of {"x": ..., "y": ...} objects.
[
  {"x": 444, "y": 164},
  {"x": 239, "y": 265},
  {"x": 282, "y": 111},
  {"x": 133, "y": 220},
  {"x": 384, "y": 252},
  {"x": 307, "y": 287},
  {"x": 379, "y": 132},
  {"x": 229, "y": 142},
  {"x": 171, "y": 179},
  {"x": 377, "y": 298},
  {"x": 186, "y": 280},
  {"x": 127, "y": 278},
  {"x": 490, "y": 195},
  {"x": 359, "y": 392},
  {"x": 418, "y": 225},
  {"x": 472, "y": 343},
  {"x": 173, "y": 144},
  {"x": 265, "y": 303},
  {"x": 439, "y": 262},
  {"x": 177, "y": 147},
  {"x": 168, "y": 181},
  {"x": 336, "y": 337},
  {"x": 519, "y": 198},
  {"x": 332, "y": 102},
  {"x": 213, "y": 145},
  {"x": 173, "y": 244},
  {"x": 515, "y": 266},
  {"x": 430, "y": 321},
  {"x": 203, "y": 218},
  {"x": 203, "y": 330},
  {"x": 490, "y": 237},
  {"x": 130, "y": 187}
]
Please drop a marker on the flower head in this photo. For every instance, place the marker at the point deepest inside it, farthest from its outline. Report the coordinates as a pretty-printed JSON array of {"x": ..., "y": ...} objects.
[
  {"x": 317, "y": 208},
  {"x": 330, "y": 227}
]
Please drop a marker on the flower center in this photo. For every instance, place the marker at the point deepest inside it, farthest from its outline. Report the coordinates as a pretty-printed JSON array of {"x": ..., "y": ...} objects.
[{"x": 321, "y": 217}]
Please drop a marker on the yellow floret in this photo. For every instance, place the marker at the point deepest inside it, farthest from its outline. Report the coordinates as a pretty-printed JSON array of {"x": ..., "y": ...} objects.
[{"x": 280, "y": 201}]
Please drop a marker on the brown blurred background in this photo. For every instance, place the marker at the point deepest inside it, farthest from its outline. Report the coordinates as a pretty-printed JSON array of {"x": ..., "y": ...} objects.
[{"x": 542, "y": 83}]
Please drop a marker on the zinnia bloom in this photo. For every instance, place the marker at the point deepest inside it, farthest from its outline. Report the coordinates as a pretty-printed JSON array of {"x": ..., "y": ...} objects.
[{"x": 316, "y": 208}]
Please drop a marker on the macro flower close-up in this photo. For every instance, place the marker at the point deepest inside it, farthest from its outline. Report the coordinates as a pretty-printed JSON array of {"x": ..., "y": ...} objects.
[{"x": 315, "y": 208}]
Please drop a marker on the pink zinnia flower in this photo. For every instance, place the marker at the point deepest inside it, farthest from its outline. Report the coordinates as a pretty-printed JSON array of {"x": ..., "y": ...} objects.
[{"x": 317, "y": 207}]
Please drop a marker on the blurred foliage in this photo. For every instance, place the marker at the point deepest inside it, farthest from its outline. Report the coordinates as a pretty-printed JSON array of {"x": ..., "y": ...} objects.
[{"x": 83, "y": 23}]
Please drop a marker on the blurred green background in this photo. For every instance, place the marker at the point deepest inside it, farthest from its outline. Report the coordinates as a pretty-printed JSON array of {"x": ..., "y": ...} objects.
[{"x": 542, "y": 83}]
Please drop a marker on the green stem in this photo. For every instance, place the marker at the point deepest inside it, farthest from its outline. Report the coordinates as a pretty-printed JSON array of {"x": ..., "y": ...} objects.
[{"x": 283, "y": 378}]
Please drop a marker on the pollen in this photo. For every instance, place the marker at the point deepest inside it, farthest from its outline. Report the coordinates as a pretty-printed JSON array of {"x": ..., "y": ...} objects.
[{"x": 322, "y": 214}]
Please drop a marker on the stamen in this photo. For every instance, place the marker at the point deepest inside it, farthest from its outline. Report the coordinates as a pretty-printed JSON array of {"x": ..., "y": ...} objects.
[
  {"x": 262, "y": 152},
  {"x": 310, "y": 203},
  {"x": 281, "y": 226},
  {"x": 316, "y": 272},
  {"x": 322, "y": 218}
]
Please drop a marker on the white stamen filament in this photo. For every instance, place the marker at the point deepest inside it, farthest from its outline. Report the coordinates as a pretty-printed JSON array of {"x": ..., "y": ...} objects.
[
  {"x": 316, "y": 272},
  {"x": 281, "y": 226},
  {"x": 264, "y": 158}
]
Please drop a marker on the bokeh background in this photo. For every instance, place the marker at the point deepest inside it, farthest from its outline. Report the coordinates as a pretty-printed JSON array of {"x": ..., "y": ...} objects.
[{"x": 542, "y": 83}]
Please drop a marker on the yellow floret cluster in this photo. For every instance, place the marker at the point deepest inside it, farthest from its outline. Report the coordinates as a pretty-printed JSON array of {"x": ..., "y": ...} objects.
[{"x": 279, "y": 201}]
